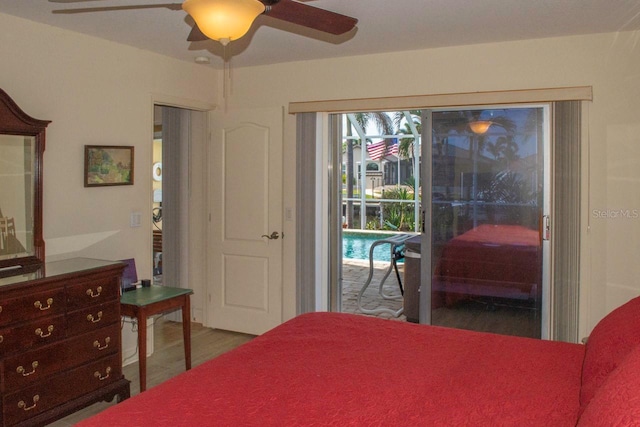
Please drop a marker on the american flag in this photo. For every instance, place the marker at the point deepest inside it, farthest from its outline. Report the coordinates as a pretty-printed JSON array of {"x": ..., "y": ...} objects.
[{"x": 378, "y": 150}]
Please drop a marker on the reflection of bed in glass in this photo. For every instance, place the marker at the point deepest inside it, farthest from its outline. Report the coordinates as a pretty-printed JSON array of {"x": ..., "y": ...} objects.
[{"x": 497, "y": 261}]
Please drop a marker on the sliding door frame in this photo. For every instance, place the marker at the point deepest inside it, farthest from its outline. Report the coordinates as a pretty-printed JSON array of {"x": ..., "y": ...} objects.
[{"x": 565, "y": 329}]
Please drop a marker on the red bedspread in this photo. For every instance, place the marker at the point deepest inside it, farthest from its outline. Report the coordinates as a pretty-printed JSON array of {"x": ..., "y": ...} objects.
[
  {"x": 340, "y": 369},
  {"x": 491, "y": 260}
]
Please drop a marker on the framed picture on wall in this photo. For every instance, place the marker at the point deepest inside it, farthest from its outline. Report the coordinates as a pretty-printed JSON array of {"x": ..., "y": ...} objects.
[{"x": 106, "y": 165}]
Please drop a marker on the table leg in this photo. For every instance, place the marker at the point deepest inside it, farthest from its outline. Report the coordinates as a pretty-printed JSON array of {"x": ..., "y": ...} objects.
[
  {"x": 186, "y": 331},
  {"x": 142, "y": 348}
]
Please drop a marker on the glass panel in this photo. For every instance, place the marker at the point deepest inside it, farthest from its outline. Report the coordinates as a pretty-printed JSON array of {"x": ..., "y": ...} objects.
[
  {"x": 487, "y": 181},
  {"x": 17, "y": 159},
  {"x": 487, "y": 203}
]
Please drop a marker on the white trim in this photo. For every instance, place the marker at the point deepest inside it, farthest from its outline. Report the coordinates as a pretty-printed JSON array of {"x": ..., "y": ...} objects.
[
  {"x": 546, "y": 308},
  {"x": 186, "y": 103},
  {"x": 470, "y": 99}
]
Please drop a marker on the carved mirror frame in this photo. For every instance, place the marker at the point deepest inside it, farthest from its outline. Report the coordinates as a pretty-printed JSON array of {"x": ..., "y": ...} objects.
[{"x": 14, "y": 121}]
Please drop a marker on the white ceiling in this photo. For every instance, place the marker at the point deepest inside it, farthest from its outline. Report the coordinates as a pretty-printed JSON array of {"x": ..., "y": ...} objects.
[{"x": 384, "y": 26}]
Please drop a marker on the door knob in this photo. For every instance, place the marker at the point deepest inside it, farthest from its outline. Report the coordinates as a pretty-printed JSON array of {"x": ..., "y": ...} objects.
[{"x": 274, "y": 236}]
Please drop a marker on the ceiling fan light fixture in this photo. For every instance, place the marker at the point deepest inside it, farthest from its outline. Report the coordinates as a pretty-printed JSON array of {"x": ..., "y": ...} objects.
[
  {"x": 480, "y": 127},
  {"x": 224, "y": 20}
]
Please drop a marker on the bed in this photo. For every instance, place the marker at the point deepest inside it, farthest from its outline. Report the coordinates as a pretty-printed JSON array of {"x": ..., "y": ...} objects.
[
  {"x": 497, "y": 261},
  {"x": 331, "y": 369}
]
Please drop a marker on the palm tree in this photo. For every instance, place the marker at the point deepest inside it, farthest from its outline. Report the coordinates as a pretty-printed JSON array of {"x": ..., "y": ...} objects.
[
  {"x": 384, "y": 124},
  {"x": 406, "y": 145},
  {"x": 405, "y": 148},
  {"x": 504, "y": 150}
]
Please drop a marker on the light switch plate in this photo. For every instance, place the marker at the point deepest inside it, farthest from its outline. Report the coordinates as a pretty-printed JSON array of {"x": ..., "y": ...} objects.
[{"x": 135, "y": 220}]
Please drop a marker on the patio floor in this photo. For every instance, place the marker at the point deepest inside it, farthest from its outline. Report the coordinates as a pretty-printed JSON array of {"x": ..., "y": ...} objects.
[
  {"x": 471, "y": 315},
  {"x": 354, "y": 276}
]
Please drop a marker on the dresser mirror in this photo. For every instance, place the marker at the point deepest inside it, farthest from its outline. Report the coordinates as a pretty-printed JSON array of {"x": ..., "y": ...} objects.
[{"x": 22, "y": 141}]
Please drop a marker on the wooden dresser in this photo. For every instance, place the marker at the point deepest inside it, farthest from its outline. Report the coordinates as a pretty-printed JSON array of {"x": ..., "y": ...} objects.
[{"x": 60, "y": 346}]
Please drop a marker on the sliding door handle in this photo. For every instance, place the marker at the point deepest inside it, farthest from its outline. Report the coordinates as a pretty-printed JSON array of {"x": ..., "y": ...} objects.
[{"x": 546, "y": 227}]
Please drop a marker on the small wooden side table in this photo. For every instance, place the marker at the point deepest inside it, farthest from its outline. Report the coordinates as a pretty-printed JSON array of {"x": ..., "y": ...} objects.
[{"x": 144, "y": 302}]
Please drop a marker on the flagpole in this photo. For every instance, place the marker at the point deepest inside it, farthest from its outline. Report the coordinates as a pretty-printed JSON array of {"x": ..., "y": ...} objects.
[{"x": 398, "y": 155}]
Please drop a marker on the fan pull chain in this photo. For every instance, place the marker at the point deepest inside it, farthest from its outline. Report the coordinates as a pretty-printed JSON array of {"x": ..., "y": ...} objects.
[
  {"x": 226, "y": 79},
  {"x": 230, "y": 77}
]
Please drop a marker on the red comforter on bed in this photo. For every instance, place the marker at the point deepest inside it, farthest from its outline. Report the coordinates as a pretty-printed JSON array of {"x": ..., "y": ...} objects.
[
  {"x": 501, "y": 261},
  {"x": 340, "y": 369}
]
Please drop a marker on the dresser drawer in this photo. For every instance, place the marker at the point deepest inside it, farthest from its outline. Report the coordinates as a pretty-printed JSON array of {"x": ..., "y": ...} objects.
[
  {"x": 91, "y": 292},
  {"x": 29, "y": 368},
  {"x": 32, "y": 306},
  {"x": 60, "y": 341},
  {"x": 93, "y": 318},
  {"x": 23, "y": 336},
  {"x": 56, "y": 390}
]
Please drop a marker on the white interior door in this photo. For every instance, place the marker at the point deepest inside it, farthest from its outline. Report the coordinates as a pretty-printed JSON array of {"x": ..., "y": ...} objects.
[{"x": 245, "y": 265}]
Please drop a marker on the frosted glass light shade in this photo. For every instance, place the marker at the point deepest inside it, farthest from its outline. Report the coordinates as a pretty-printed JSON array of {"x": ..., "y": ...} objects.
[
  {"x": 223, "y": 20},
  {"x": 480, "y": 126}
]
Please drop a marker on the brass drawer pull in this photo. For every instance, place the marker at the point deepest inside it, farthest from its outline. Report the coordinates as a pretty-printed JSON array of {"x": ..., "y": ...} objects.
[
  {"x": 97, "y": 294},
  {"x": 41, "y": 333},
  {"x": 21, "y": 369},
  {"x": 24, "y": 406},
  {"x": 96, "y": 319},
  {"x": 99, "y": 376},
  {"x": 1, "y": 338},
  {"x": 97, "y": 345},
  {"x": 38, "y": 304}
]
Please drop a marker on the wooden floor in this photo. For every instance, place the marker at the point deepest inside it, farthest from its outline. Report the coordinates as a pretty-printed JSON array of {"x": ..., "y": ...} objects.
[{"x": 168, "y": 359}]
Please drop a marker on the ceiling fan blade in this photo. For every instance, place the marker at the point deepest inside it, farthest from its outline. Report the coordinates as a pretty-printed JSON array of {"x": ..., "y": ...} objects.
[
  {"x": 311, "y": 17},
  {"x": 70, "y": 1},
  {"x": 170, "y": 6},
  {"x": 196, "y": 35}
]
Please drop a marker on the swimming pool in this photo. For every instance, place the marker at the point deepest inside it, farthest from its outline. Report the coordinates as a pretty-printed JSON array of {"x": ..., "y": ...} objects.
[{"x": 356, "y": 245}]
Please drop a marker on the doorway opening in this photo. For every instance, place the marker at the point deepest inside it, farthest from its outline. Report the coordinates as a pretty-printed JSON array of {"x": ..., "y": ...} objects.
[{"x": 178, "y": 132}]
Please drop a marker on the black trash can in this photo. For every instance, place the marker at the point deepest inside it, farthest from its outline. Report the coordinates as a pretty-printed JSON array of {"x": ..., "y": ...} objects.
[{"x": 412, "y": 279}]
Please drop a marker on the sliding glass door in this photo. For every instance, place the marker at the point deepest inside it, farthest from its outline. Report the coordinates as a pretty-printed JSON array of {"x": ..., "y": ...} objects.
[
  {"x": 454, "y": 203},
  {"x": 485, "y": 203}
]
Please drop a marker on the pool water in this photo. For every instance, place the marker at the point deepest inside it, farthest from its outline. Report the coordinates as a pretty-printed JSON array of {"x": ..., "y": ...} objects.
[{"x": 357, "y": 246}]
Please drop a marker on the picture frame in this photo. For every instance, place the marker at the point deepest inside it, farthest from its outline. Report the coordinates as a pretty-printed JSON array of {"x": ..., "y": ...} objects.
[{"x": 108, "y": 165}]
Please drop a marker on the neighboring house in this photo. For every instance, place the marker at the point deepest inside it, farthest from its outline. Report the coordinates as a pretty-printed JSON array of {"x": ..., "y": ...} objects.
[{"x": 384, "y": 171}]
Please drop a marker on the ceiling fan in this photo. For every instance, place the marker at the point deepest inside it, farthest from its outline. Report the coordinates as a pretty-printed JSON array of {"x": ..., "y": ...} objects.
[{"x": 228, "y": 20}]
